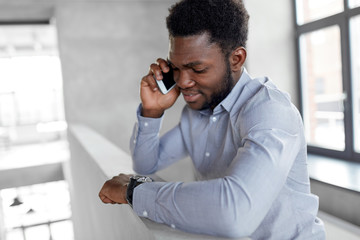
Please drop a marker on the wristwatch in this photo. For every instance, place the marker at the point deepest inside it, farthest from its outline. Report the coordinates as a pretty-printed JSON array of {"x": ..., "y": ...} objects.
[{"x": 135, "y": 181}]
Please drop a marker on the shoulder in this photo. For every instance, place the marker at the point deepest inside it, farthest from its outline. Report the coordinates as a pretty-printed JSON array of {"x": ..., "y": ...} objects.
[
  {"x": 266, "y": 95},
  {"x": 269, "y": 108}
]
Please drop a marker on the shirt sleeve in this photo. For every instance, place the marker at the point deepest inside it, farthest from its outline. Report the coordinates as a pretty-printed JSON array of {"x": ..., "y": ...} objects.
[
  {"x": 150, "y": 152},
  {"x": 235, "y": 205}
]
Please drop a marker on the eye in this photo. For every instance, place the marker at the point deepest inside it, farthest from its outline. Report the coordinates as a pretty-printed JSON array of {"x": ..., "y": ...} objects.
[{"x": 199, "y": 71}]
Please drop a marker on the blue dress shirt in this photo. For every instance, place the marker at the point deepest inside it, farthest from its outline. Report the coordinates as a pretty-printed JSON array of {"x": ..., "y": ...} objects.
[{"x": 250, "y": 156}]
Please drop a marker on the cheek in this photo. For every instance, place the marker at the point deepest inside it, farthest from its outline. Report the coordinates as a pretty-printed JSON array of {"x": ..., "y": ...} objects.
[
  {"x": 210, "y": 83},
  {"x": 176, "y": 75}
]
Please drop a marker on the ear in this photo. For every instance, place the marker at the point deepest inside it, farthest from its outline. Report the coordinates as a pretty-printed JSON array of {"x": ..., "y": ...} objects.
[{"x": 237, "y": 59}]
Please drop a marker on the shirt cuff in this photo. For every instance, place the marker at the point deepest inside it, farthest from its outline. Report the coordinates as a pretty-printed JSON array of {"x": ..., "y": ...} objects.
[
  {"x": 148, "y": 125},
  {"x": 144, "y": 199}
]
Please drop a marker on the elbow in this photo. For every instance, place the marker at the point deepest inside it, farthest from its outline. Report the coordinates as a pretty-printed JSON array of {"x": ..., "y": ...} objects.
[
  {"x": 234, "y": 229},
  {"x": 236, "y": 224},
  {"x": 142, "y": 166},
  {"x": 143, "y": 169}
]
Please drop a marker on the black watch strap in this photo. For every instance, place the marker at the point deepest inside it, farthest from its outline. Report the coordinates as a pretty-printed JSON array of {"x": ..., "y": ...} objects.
[{"x": 134, "y": 182}]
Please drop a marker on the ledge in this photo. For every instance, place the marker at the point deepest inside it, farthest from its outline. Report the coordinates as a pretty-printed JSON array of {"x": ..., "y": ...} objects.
[
  {"x": 335, "y": 172},
  {"x": 95, "y": 156}
]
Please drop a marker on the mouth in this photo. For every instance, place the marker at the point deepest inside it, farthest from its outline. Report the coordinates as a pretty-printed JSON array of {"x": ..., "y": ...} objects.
[{"x": 190, "y": 96}]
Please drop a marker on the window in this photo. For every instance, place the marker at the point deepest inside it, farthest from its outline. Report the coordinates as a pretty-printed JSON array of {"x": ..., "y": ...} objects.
[
  {"x": 32, "y": 133},
  {"x": 354, "y": 3},
  {"x": 355, "y": 61},
  {"x": 329, "y": 73},
  {"x": 31, "y": 98},
  {"x": 310, "y": 10},
  {"x": 40, "y": 211}
]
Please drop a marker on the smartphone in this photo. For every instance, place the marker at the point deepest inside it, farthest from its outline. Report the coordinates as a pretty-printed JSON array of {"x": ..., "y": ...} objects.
[{"x": 167, "y": 83}]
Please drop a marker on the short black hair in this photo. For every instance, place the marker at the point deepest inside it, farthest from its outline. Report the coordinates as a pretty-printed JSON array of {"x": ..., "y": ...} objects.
[{"x": 226, "y": 21}]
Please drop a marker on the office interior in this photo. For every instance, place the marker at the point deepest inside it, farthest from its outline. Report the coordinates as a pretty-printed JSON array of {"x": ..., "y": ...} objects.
[{"x": 69, "y": 90}]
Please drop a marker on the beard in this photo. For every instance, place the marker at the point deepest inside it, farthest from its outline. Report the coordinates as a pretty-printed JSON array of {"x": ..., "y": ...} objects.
[{"x": 225, "y": 88}]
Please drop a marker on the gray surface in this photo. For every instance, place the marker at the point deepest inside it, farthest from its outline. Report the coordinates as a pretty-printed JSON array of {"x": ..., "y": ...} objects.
[{"x": 95, "y": 159}]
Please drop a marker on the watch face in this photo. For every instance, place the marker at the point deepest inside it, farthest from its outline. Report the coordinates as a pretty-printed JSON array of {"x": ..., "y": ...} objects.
[{"x": 142, "y": 179}]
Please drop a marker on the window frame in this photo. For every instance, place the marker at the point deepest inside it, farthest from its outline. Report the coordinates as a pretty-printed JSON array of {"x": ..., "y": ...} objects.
[{"x": 342, "y": 20}]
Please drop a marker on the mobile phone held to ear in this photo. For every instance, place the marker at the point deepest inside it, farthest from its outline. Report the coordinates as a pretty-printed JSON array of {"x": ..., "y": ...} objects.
[{"x": 167, "y": 83}]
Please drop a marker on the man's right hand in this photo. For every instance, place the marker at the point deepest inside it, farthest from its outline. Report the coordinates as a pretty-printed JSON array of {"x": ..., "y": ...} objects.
[{"x": 154, "y": 103}]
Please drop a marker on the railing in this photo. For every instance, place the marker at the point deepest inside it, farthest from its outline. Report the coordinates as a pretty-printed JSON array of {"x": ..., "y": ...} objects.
[{"x": 94, "y": 159}]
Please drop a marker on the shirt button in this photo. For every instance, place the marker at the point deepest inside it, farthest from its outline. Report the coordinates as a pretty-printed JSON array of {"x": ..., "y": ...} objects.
[
  {"x": 146, "y": 124},
  {"x": 214, "y": 119},
  {"x": 207, "y": 154},
  {"x": 145, "y": 214},
  {"x": 172, "y": 226}
]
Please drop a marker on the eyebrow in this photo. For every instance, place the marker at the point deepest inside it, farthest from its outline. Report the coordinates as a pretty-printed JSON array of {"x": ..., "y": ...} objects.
[{"x": 188, "y": 65}]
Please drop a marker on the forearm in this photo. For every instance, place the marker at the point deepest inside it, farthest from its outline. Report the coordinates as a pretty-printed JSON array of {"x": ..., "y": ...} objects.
[
  {"x": 206, "y": 207},
  {"x": 144, "y": 144},
  {"x": 150, "y": 152}
]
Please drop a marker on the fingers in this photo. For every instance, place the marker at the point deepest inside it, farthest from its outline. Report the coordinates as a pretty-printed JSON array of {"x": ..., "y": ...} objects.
[
  {"x": 157, "y": 68},
  {"x": 102, "y": 194},
  {"x": 155, "y": 71},
  {"x": 114, "y": 190},
  {"x": 163, "y": 64},
  {"x": 104, "y": 199},
  {"x": 154, "y": 103},
  {"x": 149, "y": 81}
]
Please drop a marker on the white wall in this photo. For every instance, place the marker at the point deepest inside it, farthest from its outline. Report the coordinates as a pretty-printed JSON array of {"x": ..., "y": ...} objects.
[
  {"x": 271, "y": 43},
  {"x": 106, "y": 47}
]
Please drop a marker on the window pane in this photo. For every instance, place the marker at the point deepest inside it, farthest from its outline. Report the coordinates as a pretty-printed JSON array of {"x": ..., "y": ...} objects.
[
  {"x": 41, "y": 205},
  {"x": 354, "y": 3},
  {"x": 62, "y": 230},
  {"x": 37, "y": 233},
  {"x": 322, "y": 88},
  {"x": 15, "y": 234},
  {"x": 355, "y": 51},
  {"x": 310, "y": 10}
]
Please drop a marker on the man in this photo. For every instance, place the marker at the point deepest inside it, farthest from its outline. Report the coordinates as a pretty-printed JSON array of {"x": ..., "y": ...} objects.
[{"x": 243, "y": 135}]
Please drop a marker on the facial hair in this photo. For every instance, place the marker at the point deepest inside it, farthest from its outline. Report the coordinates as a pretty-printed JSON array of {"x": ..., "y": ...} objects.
[{"x": 226, "y": 86}]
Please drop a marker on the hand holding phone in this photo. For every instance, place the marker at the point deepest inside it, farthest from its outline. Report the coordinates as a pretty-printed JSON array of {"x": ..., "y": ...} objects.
[
  {"x": 154, "y": 103},
  {"x": 167, "y": 83}
]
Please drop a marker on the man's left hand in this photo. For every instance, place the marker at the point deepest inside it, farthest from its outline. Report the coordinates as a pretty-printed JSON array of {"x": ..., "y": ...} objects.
[{"x": 114, "y": 190}]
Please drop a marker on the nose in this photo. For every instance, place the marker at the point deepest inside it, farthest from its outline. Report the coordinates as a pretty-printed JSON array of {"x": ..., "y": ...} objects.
[{"x": 183, "y": 80}]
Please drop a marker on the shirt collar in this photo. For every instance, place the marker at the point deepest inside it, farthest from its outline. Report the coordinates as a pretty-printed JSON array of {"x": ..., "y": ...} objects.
[{"x": 233, "y": 96}]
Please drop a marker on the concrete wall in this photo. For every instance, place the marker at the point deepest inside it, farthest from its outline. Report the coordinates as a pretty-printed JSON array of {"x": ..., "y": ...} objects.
[
  {"x": 271, "y": 44},
  {"x": 106, "y": 47}
]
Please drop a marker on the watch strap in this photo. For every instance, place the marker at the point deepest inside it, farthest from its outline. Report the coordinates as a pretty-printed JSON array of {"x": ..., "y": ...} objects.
[{"x": 133, "y": 183}]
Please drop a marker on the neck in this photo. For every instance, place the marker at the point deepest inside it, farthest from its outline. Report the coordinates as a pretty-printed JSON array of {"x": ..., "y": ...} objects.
[{"x": 236, "y": 75}]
